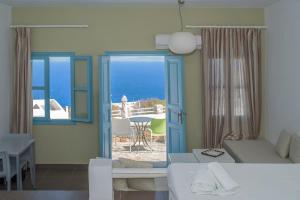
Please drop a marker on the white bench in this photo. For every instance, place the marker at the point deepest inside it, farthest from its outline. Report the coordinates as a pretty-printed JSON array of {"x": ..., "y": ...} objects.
[
  {"x": 101, "y": 176},
  {"x": 139, "y": 172},
  {"x": 253, "y": 151}
]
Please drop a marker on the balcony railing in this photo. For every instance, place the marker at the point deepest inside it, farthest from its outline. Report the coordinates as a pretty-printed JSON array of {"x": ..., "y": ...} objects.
[{"x": 139, "y": 111}]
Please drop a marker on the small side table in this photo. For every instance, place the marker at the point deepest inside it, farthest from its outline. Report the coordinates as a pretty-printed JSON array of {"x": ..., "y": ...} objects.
[
  {"x": 225, "y": 158},
  {"x": 141, "y": 125},
  {"x": 182, "y": 158}
]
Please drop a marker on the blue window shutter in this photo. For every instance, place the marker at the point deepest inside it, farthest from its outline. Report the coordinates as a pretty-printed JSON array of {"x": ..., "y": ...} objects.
[
  {"x": 44, "y": 88},
  {"x": 82, "y": 91}
]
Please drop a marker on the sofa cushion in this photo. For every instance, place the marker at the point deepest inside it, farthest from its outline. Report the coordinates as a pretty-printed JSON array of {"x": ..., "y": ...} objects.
[
  {"x": 253, "y": 151},
  {"x": 119, "y": 184},
  {"x": 143, "y": 184},
  {"x": 128, "y": 163},
  {"x": 283, "y": 144},
  {"x": 295, "y": 149}
]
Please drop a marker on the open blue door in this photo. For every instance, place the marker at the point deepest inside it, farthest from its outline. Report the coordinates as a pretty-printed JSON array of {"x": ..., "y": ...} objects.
[
  {"x": 175, "y": 107},
  {"x": 105, "y": 107}
]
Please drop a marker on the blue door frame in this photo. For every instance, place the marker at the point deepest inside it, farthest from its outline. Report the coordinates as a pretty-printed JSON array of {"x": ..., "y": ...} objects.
[{"x": 105, "y": 127}]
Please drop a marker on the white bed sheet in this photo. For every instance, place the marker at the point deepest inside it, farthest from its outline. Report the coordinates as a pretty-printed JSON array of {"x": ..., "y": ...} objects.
[{"x": 257, "y": 181}]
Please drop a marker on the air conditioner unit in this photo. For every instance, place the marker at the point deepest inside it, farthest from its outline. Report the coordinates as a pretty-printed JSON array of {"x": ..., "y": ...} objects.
[{"x": 162, "y": 41}]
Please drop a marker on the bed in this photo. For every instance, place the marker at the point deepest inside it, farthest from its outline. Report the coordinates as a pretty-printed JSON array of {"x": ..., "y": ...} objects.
[{"x": 257, "y": 181}]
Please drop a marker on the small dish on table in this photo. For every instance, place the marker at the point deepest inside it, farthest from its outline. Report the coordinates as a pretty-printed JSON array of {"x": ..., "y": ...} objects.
[{"x": 213, "y": 152}]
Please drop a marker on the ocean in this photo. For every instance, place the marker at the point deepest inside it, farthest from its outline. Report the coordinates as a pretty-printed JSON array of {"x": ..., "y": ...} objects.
[
  {"x": 60, "y": 80},
  {"x": 137, "y": 80}
]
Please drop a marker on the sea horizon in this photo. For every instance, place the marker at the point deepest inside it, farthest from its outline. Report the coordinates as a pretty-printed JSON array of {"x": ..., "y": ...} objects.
[{"x": 137, "y": 80}]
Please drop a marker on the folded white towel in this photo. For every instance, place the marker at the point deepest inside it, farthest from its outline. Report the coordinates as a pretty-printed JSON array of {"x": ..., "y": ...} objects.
[
  {"x": 213, "y": 180},
  {"x": 204, "y": 182},
  {"x": 223, "y": 178}
]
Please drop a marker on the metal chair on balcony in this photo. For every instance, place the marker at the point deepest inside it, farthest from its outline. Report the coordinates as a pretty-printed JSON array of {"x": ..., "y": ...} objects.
[
  {"x": 121, "y": 128},
  {"x": 158, "y": 128}
]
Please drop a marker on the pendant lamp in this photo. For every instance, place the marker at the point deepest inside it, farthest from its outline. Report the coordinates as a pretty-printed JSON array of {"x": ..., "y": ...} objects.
[{"x": 182, "y": 42}]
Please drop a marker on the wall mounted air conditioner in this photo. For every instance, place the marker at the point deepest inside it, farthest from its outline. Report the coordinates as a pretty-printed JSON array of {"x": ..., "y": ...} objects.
[{"x": 162, "y": 41}]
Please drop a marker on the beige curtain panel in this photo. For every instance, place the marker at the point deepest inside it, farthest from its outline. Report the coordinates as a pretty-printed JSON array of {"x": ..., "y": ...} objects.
[
  {"x": 231, "y": 64},
  {"x": 21, "y": 112}
]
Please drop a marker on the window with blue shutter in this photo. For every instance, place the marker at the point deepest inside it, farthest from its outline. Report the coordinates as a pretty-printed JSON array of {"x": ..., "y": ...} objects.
[{"x": 61, "y": 88}]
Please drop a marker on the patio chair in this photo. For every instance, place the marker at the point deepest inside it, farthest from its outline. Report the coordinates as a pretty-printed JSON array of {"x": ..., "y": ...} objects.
[
  {"x": 122, "y": 127},
  {"x": 158, "y": 128}
]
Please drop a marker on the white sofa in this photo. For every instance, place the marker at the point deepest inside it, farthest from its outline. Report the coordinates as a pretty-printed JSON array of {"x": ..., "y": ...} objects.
[
  {"x": 100, "y": 179},
  {"x": 262, "y": 151},
  {"x": 253, "y": 151}
]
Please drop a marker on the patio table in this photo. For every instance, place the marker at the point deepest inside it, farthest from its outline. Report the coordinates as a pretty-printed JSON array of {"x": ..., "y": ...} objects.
[{"x": 141, "y": 124}]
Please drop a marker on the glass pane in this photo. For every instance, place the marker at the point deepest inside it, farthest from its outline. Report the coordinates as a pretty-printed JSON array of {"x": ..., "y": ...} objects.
[
  {"x": 38, "y": 73},
  {"x": 81, "y": 105},
  {"x": 38, "y": 103},
  {"x": 174, "y": 96},
  {"x": 81, "y": 73},
  {"x": 60, "y": 87}
]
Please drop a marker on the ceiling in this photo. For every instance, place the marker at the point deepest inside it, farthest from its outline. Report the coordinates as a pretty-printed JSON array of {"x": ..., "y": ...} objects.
[{"x": 231, "y": 3}]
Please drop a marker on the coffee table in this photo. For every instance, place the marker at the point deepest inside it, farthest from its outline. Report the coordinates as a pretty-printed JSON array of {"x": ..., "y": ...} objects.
[
  {"x": 225, "y": 158},
  {"x": 182, "y": 158},
  {"x": 197, "y": 157}
]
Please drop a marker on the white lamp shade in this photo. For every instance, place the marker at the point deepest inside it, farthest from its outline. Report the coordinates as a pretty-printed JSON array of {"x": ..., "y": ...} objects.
[{"x": 182, "y": 43}]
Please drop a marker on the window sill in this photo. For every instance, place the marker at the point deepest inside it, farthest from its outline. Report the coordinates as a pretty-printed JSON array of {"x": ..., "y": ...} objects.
[{"x": 53, "y": 122}]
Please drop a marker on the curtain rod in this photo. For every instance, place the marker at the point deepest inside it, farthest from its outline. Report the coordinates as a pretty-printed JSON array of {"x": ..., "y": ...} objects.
[
  {"x": 258, "y": 27},
  {"x": 49, "y": 26}
]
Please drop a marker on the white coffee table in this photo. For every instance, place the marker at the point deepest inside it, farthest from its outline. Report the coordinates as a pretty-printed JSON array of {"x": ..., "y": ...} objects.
[{"x": 225, "y": 158}]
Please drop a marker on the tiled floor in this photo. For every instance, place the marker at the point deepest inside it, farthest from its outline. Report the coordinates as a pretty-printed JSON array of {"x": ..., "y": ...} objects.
[
  {"x": 66, "y": 182},
  {"x": 120, "y": 149},
  {"x": 79, "y": 195}
]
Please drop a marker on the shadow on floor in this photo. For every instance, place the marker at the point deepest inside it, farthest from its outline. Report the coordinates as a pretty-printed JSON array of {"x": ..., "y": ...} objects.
[
  {"x": 79, "y": 195},
  {"x": 56, "y": 177},
  {"x": 65, "y": 182}
]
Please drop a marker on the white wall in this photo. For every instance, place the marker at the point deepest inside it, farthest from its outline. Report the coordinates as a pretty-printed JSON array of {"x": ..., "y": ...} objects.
[
  {"x": 283, "y": 68},
  {"x": 5, "y": 62}
]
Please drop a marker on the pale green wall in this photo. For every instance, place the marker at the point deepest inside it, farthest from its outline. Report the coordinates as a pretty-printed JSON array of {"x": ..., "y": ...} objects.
[{"x": 117, "y": 28}]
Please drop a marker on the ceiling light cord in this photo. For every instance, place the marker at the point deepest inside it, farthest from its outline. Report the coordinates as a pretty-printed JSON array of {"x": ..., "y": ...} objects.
[{"x": 180, "y": 4}]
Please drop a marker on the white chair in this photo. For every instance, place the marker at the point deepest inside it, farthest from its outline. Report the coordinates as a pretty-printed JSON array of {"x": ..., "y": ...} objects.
[
  {"x": 5, "y": 169},
  {"x": 26, "y": 160},
  {"x": 122, "y": 127},
  {"x": 100, "y": 179}
]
